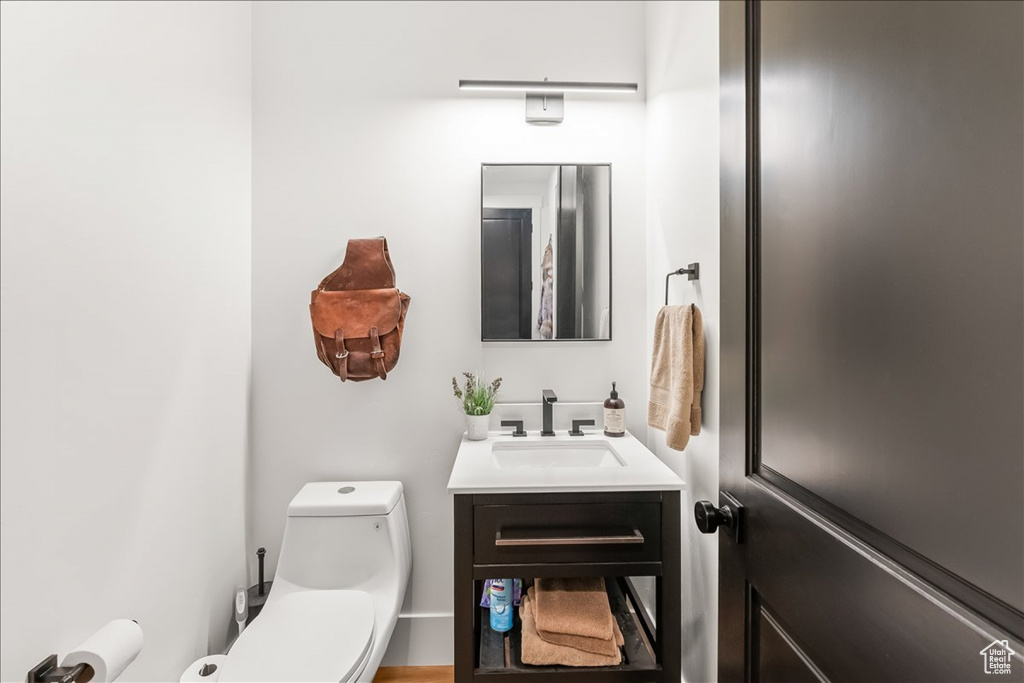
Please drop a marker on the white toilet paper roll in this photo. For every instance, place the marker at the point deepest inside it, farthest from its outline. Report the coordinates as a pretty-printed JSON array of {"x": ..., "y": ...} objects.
[{"x": 109, "y": 651}]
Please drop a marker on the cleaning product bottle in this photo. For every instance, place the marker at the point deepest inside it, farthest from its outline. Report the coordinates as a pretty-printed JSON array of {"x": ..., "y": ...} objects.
[
  {"x": 501, "y": 604},
  {"x": 241, "y": 608},
  {"x": 614, "y": 415}
]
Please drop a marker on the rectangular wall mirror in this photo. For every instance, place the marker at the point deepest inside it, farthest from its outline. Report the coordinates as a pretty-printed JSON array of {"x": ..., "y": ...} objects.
[{"x": 545, "y": 252}]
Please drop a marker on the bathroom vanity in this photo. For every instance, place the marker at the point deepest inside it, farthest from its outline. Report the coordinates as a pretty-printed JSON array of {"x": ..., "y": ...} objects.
[{"x": 563, "y": 506}]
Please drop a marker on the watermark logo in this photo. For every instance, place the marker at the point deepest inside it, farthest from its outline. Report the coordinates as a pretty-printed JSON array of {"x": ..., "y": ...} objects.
[{"x": 997, "y": 657}]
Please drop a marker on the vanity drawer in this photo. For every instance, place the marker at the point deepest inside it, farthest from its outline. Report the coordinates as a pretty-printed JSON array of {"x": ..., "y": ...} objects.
[{"x": 554, "y": 533}]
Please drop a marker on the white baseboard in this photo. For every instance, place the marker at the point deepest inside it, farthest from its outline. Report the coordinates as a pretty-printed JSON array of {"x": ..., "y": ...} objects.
[{"x": 422, "y": 640}]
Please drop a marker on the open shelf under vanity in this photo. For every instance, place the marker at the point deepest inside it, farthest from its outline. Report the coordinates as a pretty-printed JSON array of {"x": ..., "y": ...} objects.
[{"x": 500, "y": 654}]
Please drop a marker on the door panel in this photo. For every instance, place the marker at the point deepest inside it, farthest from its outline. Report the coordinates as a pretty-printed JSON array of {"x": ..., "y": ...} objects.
[
  {"x": 783, "y": 660},
  {"x": 506, "y": 272},
  {"x": 892, "y": 282},
  {"x": 872, "y": 339},
  {"x": 567, "y": 283},
  {"x": 849, "y": 610}
]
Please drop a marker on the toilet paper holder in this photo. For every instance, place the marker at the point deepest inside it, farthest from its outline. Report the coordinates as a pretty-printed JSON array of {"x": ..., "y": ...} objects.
[{"x": 47, "y": 671}]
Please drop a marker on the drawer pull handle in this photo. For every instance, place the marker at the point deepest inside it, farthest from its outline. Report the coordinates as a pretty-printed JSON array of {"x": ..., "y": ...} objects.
[{"x": 636, "y": 538}]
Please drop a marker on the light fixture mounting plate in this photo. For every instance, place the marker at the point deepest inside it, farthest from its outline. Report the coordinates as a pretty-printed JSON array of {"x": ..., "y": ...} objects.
[{"x": 545, "y": 108}]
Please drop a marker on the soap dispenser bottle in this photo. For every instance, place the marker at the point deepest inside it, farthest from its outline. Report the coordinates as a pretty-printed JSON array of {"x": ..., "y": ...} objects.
[{"x": 614, "y": 415}]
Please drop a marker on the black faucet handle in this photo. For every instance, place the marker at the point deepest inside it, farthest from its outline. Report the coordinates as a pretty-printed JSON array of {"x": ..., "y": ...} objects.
[
  {"x": 518, "y": 424},
  {"x": 549, "y": 396},
  {"x": 576, "y": 424}
]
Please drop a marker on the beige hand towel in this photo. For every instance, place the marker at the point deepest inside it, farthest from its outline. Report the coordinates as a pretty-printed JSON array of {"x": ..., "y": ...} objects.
[
  {"x": 573, "y": 606},
  {"x": 596, "y": 646},
  {"x": 538, "y": 652},
  {"x": 677, "y": 374}
]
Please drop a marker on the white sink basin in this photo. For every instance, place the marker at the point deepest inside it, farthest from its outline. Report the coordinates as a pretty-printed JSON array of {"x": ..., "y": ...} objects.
[
  {"x": 503, "y": 463},
  {"x": 512, "y": 455}
]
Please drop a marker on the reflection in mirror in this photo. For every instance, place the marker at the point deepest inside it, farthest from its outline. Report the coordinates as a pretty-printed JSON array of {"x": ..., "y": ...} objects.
[{"x": 545, "y": 252}]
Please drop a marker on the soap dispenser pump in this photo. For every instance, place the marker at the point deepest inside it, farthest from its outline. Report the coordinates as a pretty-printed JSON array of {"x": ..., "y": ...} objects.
[{"x": 614, "y": 414}]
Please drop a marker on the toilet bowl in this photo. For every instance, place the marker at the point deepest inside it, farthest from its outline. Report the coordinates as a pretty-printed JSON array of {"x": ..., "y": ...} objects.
[{"x": 340, "y": 581}]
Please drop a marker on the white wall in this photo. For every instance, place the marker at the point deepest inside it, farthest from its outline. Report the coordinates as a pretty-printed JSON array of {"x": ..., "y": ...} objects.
[
  {"x": 682, "y": 226},
  {"x": 124, "y": 342},
  {"x": 359, "y": 130}
]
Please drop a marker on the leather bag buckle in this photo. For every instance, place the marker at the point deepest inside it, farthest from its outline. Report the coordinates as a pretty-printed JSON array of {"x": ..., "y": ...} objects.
[
  {"x": 377, "y": 351},
  {"x": 341, "y": 353}
]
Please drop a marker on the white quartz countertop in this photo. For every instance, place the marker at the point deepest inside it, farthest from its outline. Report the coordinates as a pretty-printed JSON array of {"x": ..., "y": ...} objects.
[{"x": 477, "y": 469}]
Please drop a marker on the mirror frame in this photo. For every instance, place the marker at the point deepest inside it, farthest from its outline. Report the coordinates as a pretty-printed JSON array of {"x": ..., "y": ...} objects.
[{"x": 611, "y": 280}]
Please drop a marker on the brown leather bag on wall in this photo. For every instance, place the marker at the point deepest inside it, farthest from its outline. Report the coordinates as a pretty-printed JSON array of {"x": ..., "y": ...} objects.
[{"x": 359, "y": 315}]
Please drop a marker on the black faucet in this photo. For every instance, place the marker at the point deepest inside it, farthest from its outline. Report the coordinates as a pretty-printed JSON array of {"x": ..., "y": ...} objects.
[{"x": 549, "y": 398}]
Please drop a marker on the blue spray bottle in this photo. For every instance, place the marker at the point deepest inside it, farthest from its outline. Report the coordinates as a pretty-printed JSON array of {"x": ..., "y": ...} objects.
[{"x": 501, "y": 604}]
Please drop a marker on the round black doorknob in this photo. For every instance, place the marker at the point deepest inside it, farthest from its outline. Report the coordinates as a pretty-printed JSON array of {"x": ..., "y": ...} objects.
[{"x": 709, "y": 518}]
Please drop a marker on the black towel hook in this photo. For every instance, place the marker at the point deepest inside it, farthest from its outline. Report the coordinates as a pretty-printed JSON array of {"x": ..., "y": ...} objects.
[{"x": 692, "y": 272}]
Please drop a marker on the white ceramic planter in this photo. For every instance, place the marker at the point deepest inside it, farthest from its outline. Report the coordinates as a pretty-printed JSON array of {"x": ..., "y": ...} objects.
[{"x": 476, "y": 427}]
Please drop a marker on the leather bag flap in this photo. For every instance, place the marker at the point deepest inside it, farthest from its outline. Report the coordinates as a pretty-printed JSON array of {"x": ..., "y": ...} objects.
[{"x": 356, "y": 311}]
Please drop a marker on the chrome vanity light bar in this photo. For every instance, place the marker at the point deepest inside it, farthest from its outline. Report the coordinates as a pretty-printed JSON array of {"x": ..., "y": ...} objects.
[
  {"x": 547, "y": 86},
  {"x": 545, "y": 100}
]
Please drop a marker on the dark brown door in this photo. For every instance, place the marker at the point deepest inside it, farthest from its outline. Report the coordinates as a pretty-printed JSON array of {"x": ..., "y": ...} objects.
[
  {"x": 872, "y": 341},
  {"x": 506, "y": 272}
]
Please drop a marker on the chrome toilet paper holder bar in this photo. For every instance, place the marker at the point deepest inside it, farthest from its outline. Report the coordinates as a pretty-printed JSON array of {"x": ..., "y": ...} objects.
[{"x": 47, "y": 671}]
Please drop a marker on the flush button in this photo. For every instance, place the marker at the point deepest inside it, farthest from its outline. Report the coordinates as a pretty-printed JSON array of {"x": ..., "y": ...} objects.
[
  {"x": 207, "y": 670},
  {"x": 346, "y": 489}
]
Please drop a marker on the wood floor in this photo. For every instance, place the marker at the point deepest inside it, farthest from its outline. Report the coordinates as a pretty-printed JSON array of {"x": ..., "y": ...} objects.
[{"x": 415, "y": 674}]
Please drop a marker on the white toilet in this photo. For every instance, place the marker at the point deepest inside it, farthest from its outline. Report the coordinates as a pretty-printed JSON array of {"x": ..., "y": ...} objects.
[{"x": 340, "y": 581}]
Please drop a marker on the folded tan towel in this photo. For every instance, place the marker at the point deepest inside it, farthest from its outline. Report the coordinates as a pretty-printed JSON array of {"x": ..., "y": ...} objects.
[
  {"x": 574, "y": 607},
  {"x": 597, "y": 646},
  {"x": 677, "y": 374},
  {"x": 538, "y": 652}
]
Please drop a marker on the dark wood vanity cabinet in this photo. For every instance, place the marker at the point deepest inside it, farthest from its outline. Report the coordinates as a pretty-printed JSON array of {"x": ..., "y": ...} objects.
[{"x": 535, "y": 535}]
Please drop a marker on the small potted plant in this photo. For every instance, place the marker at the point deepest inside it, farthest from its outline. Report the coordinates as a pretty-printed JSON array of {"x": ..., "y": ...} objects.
[{"x": 477, "y": 402}]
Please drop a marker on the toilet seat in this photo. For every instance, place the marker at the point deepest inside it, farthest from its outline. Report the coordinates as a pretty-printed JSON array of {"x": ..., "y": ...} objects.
[{"x": 314, "y": 635}]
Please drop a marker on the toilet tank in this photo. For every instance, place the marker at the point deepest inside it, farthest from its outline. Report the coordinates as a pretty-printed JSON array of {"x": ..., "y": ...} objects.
[{"x": 347, "y": 535}]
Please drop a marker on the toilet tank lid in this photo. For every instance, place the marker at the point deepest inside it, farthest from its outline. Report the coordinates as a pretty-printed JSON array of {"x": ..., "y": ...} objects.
[{"x": 345, "y": 499}]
